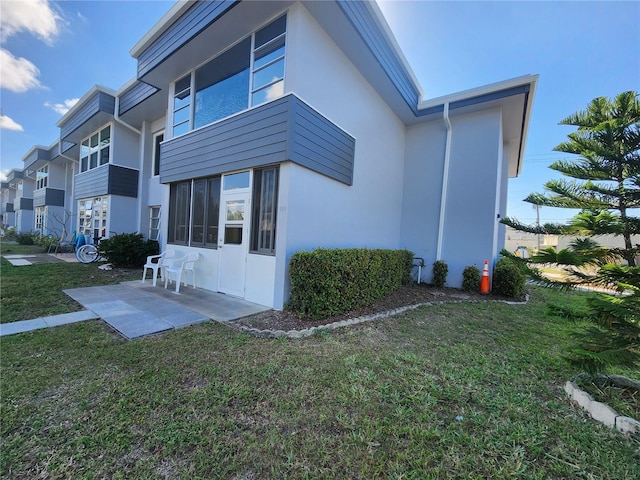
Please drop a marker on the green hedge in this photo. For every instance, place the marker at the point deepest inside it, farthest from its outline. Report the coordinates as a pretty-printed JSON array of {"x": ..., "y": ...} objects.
[{"x": 327, "y": 282}]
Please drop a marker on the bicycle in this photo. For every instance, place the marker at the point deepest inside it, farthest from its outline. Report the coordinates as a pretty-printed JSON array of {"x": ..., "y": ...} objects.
[{"x": 88, "y": 253}]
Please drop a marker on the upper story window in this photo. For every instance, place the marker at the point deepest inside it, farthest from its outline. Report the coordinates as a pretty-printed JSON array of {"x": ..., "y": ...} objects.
[
  {"x": 249, "y": 73},
  {"x": 95, "y": 149},
  {"x": 42, "y": 177},
  {"x": 157, "y": 140},
  {"x": 19, "y": 186}
]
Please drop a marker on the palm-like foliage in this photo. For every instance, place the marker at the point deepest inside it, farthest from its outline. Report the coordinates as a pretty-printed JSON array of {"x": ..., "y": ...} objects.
[{"x": 604, "y": 183}]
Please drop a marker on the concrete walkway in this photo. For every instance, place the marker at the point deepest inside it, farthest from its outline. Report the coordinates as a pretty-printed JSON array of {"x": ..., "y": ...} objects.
[{"x": 135, "y": 309}]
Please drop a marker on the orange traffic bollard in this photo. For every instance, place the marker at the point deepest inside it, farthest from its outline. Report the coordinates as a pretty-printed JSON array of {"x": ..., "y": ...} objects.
[{"x": 485, "y": 284}]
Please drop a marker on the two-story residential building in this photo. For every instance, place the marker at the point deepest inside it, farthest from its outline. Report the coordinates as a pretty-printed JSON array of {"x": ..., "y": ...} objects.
[
  {"x": 22, "y": 187},
  {"x": 106, "y": 173},
  {"x": 52, "y": 177},
  {"x": 7, "y": 197},
  {"x": 296, "y": 125}
]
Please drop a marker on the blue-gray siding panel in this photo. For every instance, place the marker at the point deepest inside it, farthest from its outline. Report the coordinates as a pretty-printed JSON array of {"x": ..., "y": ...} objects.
[
  {"x": 24, "y": 204},
  {"x": 136, "y": 95},
  {"x": 99, "y": 102},
  {"x": 282, "y": 130},
  {"x": 192, "y": 22},
  {"x": 35, "y": 155},
  {"x": 48, "y": 196},
  {"x": 92, "y": 183},
  {"x": 123, "y": 181},
  {"x": 319, "y": 145},
  {"x": 9, "y": 208},
  {"x": 367, "y": 27}
]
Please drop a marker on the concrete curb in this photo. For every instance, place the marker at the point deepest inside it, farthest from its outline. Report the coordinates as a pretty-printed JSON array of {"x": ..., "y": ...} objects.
[
  {"x": 45, "y": 322},
  {"x": 307, "y": 332},
  {"x": 600, "y": 411}
]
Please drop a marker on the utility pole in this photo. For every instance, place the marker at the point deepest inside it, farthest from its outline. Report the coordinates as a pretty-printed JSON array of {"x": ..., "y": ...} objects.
[{"x": 537, "y": 207}]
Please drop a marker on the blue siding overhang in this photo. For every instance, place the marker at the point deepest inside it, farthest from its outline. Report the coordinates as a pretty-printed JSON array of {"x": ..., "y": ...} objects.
[
  {"x": 107, "y": 179},
  {"x": 198, "y": 17},
  {"x": 9, "y": 207},
  {"x": 14, "y": 175},
  {"x": 364, "y": 22},
  {"x": 94, "y": 112},
  {"x": 48, "y": 197},
  {"x": 283, "y": 130},
  {"x": 36, "y": 157},
  {"x": 135, "y": 96}
]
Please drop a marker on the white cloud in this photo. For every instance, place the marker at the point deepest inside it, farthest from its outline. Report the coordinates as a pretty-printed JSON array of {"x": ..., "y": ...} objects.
[
  {"x": 63, "y": 107},
  {"x": 3, "y": 176},
  {"x": 7, "y": 123},
  {"x": 18, "y": 74},
  {"x": 34, "y": 16}
]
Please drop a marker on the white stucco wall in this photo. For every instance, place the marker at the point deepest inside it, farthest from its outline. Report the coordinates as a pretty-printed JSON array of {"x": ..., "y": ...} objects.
[
  {"x": 321, "y": 212},
  {"x": 125, "y": 145},
  {"x": 471, "y": 200},
  {"x": 424, "y": 165},
  {"x": 121, "y": 214}
]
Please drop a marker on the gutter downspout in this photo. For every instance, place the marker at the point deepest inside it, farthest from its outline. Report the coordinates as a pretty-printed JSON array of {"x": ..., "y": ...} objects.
[
  {"x": 116, "y": 117},
  {"x": 445, "y": 181},
  {"x": 73, "y": 183}
]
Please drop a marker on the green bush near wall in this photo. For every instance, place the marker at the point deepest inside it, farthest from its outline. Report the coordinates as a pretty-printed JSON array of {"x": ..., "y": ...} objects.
[{"x": 327, "y": 282}]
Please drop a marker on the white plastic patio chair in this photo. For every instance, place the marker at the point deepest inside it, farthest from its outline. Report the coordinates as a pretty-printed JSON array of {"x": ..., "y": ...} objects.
[
  {"x": 180, "y": 267},
  {"x": 157, "y": 263}
]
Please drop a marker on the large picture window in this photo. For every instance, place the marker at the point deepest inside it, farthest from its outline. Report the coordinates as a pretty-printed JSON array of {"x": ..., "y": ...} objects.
[
  {"x": 194, "y": 212},
  {"x": 95, "y": 150},
  {"x": 263, "y": 216},
  {"x": 157, "y": 140},
  {"x": 249, "y": 73},
  {"x": 42, "y": 177}
]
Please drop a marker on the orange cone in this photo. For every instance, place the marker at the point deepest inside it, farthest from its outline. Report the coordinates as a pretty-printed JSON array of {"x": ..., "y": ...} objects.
[{"x": 485, "y": 284}]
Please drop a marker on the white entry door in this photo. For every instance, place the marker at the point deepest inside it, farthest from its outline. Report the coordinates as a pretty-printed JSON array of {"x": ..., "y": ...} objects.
[{"x": 233, "y": 237}]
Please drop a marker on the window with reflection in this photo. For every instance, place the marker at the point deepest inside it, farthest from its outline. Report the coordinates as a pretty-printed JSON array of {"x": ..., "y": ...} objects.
[
  {"x": 249, "y": 73},
  {"x": 95, "y": 150},
  {"x": 194, "y": 209},
  {"x": 264, "y": 212}
]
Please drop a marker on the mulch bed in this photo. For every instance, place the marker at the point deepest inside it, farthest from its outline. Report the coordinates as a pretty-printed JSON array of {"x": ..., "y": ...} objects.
[{"x": 411, "y": 294}]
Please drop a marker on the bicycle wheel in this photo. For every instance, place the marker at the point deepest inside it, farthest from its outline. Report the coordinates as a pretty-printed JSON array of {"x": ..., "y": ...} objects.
[{"x": 87, "y": 254}]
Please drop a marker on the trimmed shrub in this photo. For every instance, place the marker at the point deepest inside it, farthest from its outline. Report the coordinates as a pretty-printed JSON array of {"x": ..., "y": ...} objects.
[
  {"x": 471, "y": 279},
  {"x": 25, "y": 239},
  {"x": 327, "y": 282},
  {"x": 440, "y": 271},
  {"x": 127, "y": 250},
  {"x": 508, "y": 279},
  {"x": 45, "y": 242}
]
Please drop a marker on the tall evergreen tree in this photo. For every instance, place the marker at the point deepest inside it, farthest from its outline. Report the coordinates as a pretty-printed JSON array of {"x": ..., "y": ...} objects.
[{"x": 605, "y": 180}]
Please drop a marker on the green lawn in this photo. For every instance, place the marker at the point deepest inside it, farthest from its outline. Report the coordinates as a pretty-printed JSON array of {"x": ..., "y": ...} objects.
[
  {"x": 466, "y": 390},
  {"x": 36, "y": 290}
]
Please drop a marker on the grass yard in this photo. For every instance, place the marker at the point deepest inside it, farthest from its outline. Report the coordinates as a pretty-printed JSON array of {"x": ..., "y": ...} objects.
[
  {"x": 36, "y": 290},
  {"x": 465, "y": 390}
]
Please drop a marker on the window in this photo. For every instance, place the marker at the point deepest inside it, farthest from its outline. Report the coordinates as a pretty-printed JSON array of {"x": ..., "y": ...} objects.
[
  {"x": 182, "y": 106},
  {"x": 42, "y": 176},
  {"x": 95, "y": 150},
  {"x": 249, "y": 73},
  {"x": 92, "y": 217},
  {"x": 154, "y": 223},
  {"x": 194, "y": 209},
  {"x": 41, "y": 213},
  {"x": 263, "y": 216},
  {"x": 157, "y": 140}
]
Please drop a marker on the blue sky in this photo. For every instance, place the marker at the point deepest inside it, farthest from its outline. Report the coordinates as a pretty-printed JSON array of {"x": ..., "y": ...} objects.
[{"x": 54, "y": 52}]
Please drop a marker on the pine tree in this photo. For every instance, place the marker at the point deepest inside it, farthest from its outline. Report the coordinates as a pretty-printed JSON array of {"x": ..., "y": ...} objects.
[{"x": 604, "y": 182}]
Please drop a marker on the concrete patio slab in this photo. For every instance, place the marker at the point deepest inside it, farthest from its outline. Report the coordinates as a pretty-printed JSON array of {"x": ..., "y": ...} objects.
[
  {"x": 19, "y": 262},
  {"x": 44, "y": 322}
]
